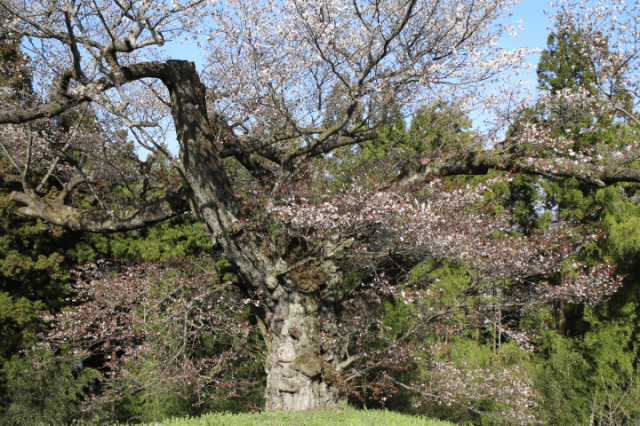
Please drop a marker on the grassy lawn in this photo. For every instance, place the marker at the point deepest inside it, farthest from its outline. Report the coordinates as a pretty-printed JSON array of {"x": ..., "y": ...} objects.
[{"x": 339, "y": 416}]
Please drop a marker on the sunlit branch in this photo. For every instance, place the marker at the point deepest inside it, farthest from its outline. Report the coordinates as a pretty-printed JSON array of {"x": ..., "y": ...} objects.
[
  {"x": 480, "y": 162},
  {"x": 105, "y": 221}
]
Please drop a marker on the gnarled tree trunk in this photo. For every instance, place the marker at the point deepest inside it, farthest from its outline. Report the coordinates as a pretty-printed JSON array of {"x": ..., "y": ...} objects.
[
  {"x": 297, "y": 311},
  {"x": 297, "y": 359}
]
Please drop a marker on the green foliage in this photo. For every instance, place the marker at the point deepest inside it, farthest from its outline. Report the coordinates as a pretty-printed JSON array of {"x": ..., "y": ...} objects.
[
  {"x": 594, "y": 380},
  {"x": 562, "y": 64},
  {"x": 167, "y": 407},
  {"x": 561, "y": 383},
  {"x": 33, "y": 278},
  {"x": 565, "y": 65},
  {"x": 13, "y": 75},
  {"x": 449, "y": 280},
  {"x": 391, "y": 137},
  {"x": 438, "y": 127},
  {"x": 45, "y": 390},
  {"x": 349, "y": 283},
  {"x": 147, "y": 407},
  {"x": 622, "y": 220},
  {"x": 173, "y": 238},
  {"x": 591, "y": 375},
  {"x": 441, "y": 126}
]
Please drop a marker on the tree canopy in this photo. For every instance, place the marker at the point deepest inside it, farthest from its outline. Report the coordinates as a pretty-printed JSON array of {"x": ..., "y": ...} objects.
[{"x": 324, "y": 243}]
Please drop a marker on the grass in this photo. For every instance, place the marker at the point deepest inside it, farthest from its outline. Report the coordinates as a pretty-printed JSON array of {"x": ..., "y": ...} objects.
[{"x": 344, "y": 416}]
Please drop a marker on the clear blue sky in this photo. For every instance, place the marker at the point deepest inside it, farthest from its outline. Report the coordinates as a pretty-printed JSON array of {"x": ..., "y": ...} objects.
[{"x": 535, "y": 22}]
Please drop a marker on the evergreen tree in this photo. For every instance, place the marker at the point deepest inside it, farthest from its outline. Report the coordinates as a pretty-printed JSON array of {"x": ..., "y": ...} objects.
[
  {"x": 442, "y": 126},
  {"x": 563, "y": 64},
  {"x": 588, "y": 370},
  {"x": 15, "y": 81}
]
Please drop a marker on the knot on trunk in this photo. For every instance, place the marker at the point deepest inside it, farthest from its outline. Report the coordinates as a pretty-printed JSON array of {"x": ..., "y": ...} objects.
[
  {"x": 308, "y": 364},
  {"x": 308, "y": 278},
  {"x": 412, "y": 169}
]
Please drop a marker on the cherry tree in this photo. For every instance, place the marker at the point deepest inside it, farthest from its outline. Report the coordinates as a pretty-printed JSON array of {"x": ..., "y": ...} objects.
[{"x": 286, "y": 84}]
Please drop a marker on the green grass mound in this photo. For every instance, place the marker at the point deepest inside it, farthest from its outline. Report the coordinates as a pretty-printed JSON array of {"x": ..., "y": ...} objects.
[{"x": 337, "y": 416}]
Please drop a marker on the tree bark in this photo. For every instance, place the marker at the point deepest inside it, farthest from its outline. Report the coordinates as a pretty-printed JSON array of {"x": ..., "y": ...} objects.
[
  {"x": 562, "y": 323},
  {"x": 297, "y": 360},
  {"x": 296, "y": 313},
  {"x": 104, "y": 221}
]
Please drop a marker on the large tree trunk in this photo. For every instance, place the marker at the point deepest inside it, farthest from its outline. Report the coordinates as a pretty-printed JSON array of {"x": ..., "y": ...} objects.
[
  {"x": 298, "y": 308},
  {"x": 297, "y": 360},
  {"x": 304, "y": 342}
]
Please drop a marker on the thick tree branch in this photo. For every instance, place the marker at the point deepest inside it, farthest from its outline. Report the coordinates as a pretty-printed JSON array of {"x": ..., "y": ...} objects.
[
  {"x": 257, "y": 167},
  {"x": 70, "y": 186},
  {"x": 344, "y": 140},
  {"x": 479, "y": 163},
  {"x": 124, "y": 219},
  {"x": 11, "y": 178},
  {"x": 41, "y": 111},
  {"x": 64, "y": 103}
]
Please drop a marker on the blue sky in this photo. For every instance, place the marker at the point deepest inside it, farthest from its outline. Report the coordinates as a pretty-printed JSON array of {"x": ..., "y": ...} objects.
[{"x": 535, "y": 23}]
